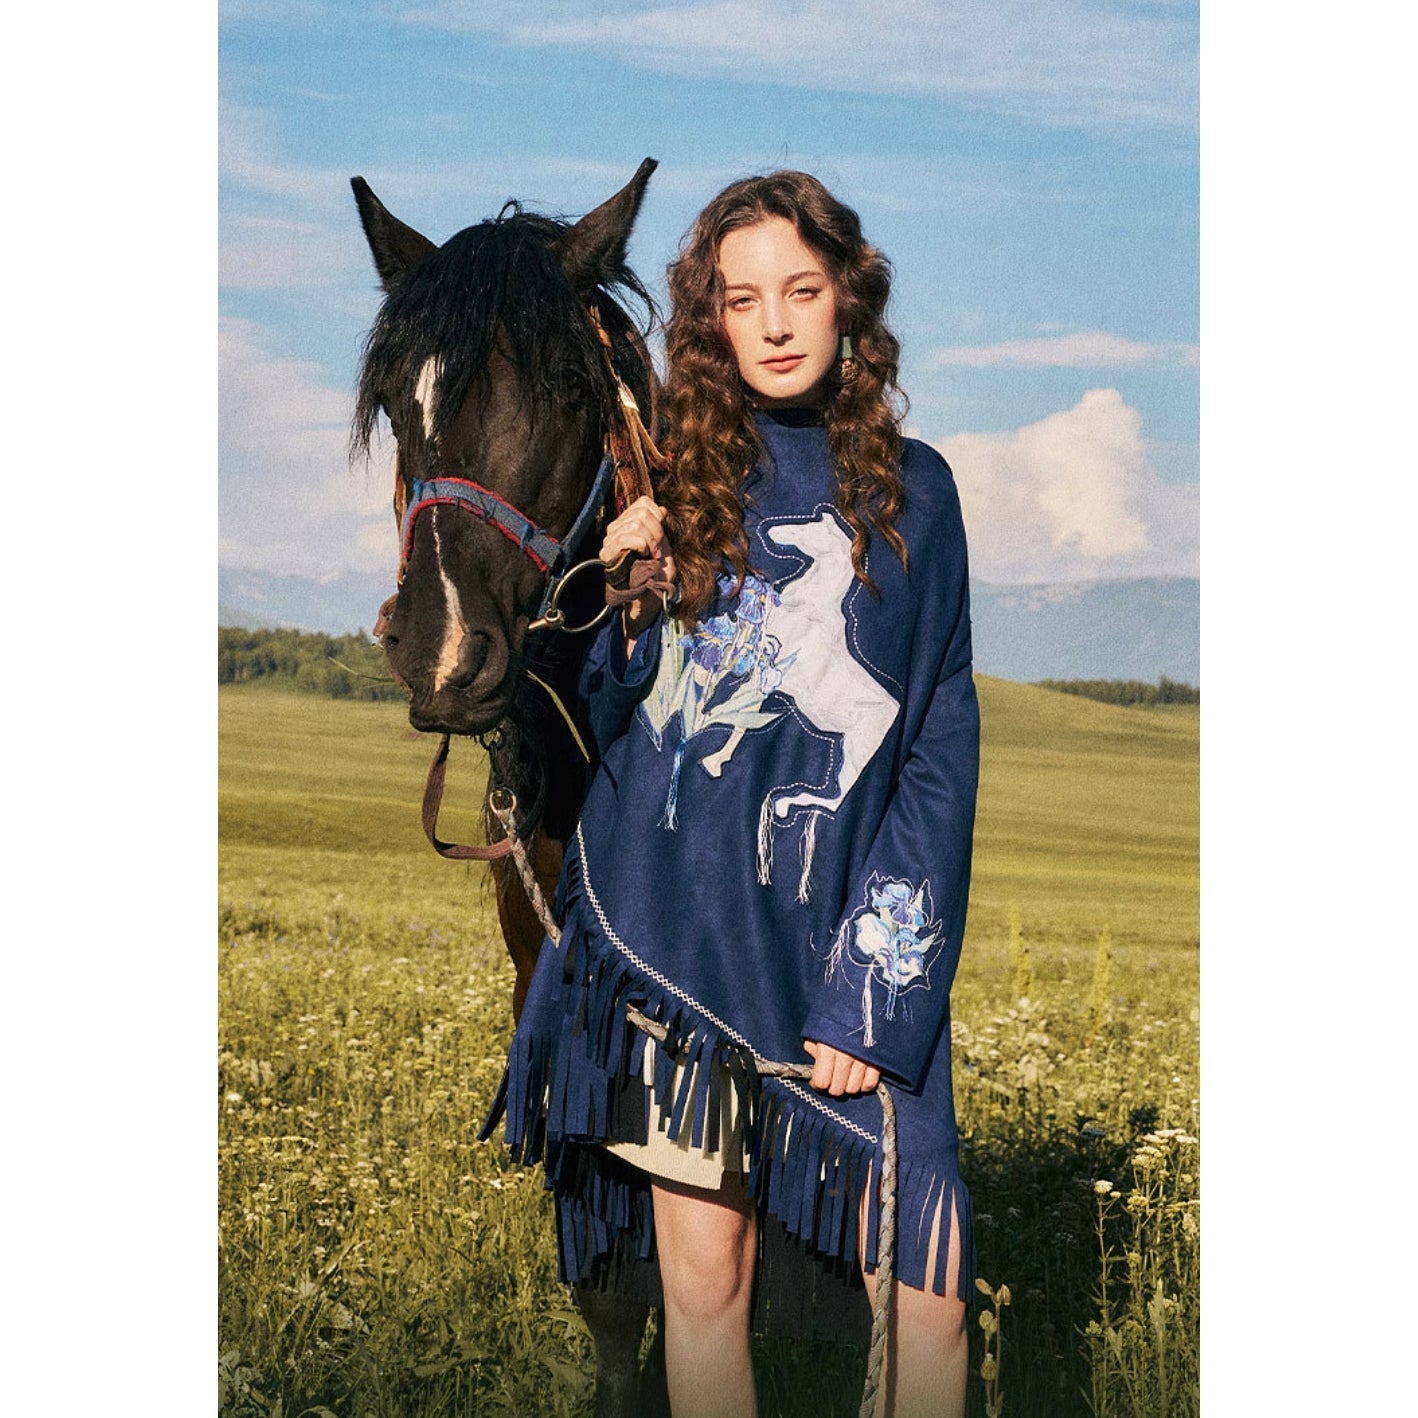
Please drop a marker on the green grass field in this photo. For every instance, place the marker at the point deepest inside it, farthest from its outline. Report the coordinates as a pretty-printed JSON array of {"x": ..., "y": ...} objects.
[
  {"x": 376, "y": 1260},
  {"x": 1088, "y": 813}
]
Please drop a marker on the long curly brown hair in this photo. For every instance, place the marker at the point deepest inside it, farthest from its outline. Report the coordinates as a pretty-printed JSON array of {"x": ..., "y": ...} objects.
[{"x": 710, "y": 434}]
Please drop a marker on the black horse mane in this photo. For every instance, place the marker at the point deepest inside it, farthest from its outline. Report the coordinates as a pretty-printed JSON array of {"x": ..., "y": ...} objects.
[{"x": 499, "y": 275}]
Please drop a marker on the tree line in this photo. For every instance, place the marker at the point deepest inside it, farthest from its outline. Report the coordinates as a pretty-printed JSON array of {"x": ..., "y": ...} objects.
[
  {"x": 350, "y": 667},
  {"x": 1126, "y": 691},
  {"x": 338, "y": 666}
]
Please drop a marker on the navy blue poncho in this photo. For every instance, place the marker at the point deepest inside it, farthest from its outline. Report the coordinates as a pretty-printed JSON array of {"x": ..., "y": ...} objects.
[{"x": 775, "y": 847}]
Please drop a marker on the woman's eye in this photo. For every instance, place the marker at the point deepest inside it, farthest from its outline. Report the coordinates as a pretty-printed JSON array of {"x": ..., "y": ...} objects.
[
  {"x": 806, "y": 290},
  {"x": 740, "y": 302}
]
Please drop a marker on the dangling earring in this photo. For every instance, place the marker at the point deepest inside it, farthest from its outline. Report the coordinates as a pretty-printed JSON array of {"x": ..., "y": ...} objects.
[{"x": 846, "y": 361}]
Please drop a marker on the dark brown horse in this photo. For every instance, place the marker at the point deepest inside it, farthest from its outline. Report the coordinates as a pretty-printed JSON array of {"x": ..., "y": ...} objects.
[{"x": 487, "y": 362}]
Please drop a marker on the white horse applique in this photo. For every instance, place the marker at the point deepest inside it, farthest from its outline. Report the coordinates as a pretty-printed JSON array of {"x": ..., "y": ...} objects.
[
  {"x": 793, "y": 643},
  {"x": 829, "y": 688}
]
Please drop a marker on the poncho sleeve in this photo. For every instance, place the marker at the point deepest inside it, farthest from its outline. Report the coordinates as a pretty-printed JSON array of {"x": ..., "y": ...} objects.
[
  {"x": 885, "y": 994},
  {"x": 612, "y": 683}
]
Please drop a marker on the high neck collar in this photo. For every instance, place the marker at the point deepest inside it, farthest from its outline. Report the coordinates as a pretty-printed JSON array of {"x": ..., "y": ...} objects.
[{"x": 792, "y": 417}]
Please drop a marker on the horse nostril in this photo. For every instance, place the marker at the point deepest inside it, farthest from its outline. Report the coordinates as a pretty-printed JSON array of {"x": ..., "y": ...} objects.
[{"x": 472, "y": 657}]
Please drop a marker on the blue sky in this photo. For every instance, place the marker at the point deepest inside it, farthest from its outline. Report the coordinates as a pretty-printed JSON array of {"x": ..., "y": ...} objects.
[{"x": 1030, "y": 168}]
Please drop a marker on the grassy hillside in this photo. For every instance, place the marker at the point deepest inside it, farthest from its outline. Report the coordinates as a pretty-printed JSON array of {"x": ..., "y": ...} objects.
[
  {"x": 1087, "y": 816},
  {"x": 319, "y": 801},
  {"x": 376, "y": 1260}
]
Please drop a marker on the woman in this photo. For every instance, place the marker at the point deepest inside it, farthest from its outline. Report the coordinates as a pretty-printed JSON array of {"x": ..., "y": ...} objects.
[{"x": 774, "y": 855}]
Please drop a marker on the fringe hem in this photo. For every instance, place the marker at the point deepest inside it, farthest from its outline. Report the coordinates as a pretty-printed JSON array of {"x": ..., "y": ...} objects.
[{"x": 573, "y": 1080}]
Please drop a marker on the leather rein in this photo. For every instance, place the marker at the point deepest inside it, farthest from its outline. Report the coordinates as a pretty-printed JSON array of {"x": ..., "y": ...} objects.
[{"x": 630, "y": 455}]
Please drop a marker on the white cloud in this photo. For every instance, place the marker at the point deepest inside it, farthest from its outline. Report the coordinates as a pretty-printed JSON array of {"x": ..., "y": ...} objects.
[
  {"x": 1087, "y": 349},
  {"x": 289, "y": 501},
  {"x": 1072, "y": 498},
  {"x": 1074, "y": 63}
]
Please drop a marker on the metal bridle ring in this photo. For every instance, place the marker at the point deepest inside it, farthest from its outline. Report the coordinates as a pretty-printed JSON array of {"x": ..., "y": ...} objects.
[
  {"x": 552, "y": 617},
  {"x": 509, "y": 801}
]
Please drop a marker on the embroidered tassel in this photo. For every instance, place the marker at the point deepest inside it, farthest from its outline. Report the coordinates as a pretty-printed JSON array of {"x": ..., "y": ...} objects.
[
  {"x": 809, "y": 847},
  {"x": 869, "y": 1036},
  {"x": 670, "y": 819},
  {"x": 834, "y": 956},
  {"x": 765, "y": 842}
]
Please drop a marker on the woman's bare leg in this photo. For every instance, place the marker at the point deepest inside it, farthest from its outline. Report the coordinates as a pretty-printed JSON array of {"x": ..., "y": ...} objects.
[
  {"x": 927, "y": 1350},
  {"x": 708, "y": 1243}
]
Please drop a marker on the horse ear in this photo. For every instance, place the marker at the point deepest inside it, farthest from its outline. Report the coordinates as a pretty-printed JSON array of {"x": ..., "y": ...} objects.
[
  {"x": 397, "y": 248},
  {"x": 593, "y": 251}
]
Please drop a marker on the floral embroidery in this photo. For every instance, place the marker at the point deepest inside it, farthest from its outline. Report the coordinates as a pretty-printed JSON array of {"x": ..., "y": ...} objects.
[
  {"x": 717, "y": 677},
  {"x": 891, "y": 937}
]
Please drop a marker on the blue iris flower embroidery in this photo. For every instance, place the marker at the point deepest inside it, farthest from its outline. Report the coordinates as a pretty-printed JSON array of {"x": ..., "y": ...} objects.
[
  {"x": 717, "y": 676},
  {"x": 891, "y": 936}
]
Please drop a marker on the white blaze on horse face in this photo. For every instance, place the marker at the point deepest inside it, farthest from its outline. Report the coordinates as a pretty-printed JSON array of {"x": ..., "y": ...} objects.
[
  {"x": 424, "y": 389},
  {"x": 455, "y": 628}
]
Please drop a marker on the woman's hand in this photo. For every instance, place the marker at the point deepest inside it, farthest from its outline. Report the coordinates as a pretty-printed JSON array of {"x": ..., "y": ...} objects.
[
  {"x": 840, "y": 1073},
  {"x": 641, "y": 529}
]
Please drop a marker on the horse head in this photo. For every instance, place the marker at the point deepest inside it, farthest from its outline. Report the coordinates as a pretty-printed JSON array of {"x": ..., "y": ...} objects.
[{"x": 490, "y": 371}]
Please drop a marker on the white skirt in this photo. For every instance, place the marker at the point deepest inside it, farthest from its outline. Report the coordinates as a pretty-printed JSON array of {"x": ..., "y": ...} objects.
[{"x": 681, "y": 1161}]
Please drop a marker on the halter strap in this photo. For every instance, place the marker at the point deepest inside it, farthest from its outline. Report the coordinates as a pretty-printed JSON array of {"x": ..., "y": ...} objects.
[
  {"x": 433, "y": 800},
  {"x": 546, "y": 552}
]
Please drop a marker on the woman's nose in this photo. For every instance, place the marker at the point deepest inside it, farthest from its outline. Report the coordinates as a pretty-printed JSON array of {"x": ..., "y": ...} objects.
[{"x": 775, "y": 324}]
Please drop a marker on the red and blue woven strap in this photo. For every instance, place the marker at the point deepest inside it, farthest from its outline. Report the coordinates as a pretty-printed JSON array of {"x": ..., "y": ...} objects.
[{"x": 545, "y": 551}]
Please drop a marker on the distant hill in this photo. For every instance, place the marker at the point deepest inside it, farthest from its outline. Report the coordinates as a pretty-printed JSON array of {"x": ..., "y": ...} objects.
[{"x": 1138, "y": 630}]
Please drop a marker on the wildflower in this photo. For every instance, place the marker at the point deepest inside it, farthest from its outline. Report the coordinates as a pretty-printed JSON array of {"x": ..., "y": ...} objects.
[
  {"x": 989, "y": 1370},
  {"x": 1102, "y": 1186}
]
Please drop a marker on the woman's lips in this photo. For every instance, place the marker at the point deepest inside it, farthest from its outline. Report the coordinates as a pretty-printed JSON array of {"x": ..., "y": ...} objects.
[{"x": 782, "y": 362}]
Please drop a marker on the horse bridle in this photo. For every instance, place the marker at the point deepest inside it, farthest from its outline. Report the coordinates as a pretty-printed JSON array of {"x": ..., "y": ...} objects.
[
  {"x": 555, "y": 558},
  {"x": 629, "y": 456},
  {"x": 625, "y": 467}
]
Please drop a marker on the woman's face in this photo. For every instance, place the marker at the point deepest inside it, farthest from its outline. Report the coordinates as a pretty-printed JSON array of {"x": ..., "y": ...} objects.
[{"x": 780, "y": 313}]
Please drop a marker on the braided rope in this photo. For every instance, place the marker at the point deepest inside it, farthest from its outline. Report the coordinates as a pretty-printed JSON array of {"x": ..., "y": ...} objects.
[
  {"x": 767, "y": 1068},
  {"x": 507, "y": 817}
]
